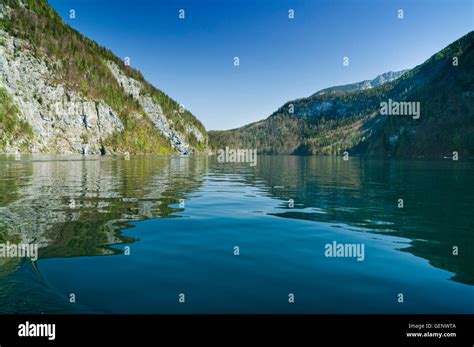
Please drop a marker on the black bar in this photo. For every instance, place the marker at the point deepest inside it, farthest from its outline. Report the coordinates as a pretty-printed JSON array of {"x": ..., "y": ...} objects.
[{"x": 308, "y": 330}]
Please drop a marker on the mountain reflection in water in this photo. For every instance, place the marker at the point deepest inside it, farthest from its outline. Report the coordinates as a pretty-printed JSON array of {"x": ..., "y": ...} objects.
[{"x": 81, "y": 207}]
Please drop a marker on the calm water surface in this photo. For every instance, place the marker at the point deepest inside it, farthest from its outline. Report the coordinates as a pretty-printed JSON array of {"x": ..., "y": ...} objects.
[{"x": 182, "y": 217}]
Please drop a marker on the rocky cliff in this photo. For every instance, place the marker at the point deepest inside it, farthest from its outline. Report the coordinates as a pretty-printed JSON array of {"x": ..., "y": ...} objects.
[{"x": 62, "y": 93}]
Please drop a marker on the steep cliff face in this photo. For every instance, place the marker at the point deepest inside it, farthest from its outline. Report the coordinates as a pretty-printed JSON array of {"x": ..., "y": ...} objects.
[
  {"x": 62, "y": 93},
  {"x": 62, "y": 120},
  {"x": 155, "y": 113}
]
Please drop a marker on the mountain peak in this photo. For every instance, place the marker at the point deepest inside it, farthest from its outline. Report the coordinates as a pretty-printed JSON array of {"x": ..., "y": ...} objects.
[{"x": 366, "y": 84}]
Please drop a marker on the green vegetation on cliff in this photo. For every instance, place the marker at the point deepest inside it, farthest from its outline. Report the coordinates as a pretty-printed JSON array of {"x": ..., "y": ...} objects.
[
  {"x": 11, "y": 126},
  {"x": 82, "y": 67},
  {"x": 446, "y": 95}
]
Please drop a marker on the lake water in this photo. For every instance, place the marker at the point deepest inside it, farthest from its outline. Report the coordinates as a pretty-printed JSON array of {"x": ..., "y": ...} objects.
[{"x": 181, "y": 219}]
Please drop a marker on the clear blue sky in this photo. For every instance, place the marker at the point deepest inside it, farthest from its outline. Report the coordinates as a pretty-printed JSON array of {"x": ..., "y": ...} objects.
[{"x": 280, "y": 59}]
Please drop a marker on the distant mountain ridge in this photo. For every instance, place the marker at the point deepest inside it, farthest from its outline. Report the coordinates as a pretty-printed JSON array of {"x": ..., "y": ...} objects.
[
  {"x": 366, "y": 84},
  {"x": 335, "y": 120}
]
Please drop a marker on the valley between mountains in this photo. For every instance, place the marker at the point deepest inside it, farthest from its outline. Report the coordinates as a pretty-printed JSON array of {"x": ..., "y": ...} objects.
[{"x": 63, "y": 93}]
